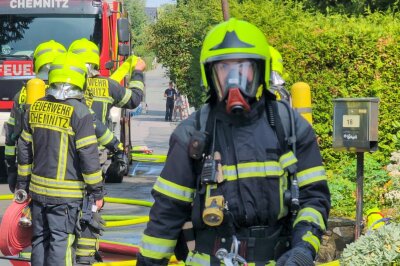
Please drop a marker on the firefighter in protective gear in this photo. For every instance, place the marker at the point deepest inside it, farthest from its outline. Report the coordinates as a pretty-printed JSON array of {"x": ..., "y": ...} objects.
[
  {"x": 245, "y": 173},
  {"x": 58, "y": 162},
  {"x": 104, "y": 93},
  {"x": 277, "y": 83},
  {"x": 43, "y": 56}
]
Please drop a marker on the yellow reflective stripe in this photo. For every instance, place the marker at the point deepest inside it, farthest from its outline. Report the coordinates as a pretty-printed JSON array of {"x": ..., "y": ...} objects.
[
  {"x": 137, "y": 84},
  {"x": 26, "y": 136},
  {"x": 313, "y": 240},
  {"x": 24, "y": 169},
  {"x": 93, "y": 178},
  {"x": 283, "y": 185},
  {"x": 104, "y": 112},
  {"x": 68, "y": 253},
  {"x": 109, "y": 100},
  {"x": 69, "y": 131},
  {"x": 87, "y": 241},
  {"x": 157, "y": 248},
  {"x": 11, "y": 121},
  {"x": 9, "y": 150},
  {"x": 311, "y": 175},
  {"x": 62, "y": 156},
  {"x": 197, "y": 259},
  {"x": 125, "y": 99},
  {"x": 83, "y": 252},
  {"x": 86, "y": 141},
  {"x": 287, "y": 159},
  {"x": 53, "y": 183},
  {"x": 252, "y": 169},
  {"x": 106, "y": 138},
  {"x": 173, "y": 190},
  {"x": 311, "y": 215},
  {"x": 56, "y": 192}
]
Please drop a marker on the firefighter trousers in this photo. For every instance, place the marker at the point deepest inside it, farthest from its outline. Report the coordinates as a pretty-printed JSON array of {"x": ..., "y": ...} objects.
[{"x": 54, "y": 233}]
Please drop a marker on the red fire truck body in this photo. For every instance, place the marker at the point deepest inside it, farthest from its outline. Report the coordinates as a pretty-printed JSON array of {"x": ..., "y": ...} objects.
[{"x": 26, "y": 23}]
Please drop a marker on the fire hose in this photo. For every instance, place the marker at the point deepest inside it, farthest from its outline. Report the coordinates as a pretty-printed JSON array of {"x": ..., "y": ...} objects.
[{"x": 14, "y": 238}]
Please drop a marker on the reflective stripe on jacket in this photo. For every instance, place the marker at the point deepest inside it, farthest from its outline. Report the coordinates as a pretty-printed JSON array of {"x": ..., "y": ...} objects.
[
  {"x": 58, "y": 141},
  {"x": 102, "y": 93},
  {"x": 254, "y": 170}
]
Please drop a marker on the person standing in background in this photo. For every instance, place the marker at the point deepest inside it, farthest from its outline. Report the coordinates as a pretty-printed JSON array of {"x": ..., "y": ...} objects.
[{"x": 169, "y": 106}]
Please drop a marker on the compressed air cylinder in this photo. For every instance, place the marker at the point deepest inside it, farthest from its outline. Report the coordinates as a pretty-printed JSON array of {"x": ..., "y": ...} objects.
[
  {"x": 301, "y": 99},
  {"x": 35, "y": 89}
]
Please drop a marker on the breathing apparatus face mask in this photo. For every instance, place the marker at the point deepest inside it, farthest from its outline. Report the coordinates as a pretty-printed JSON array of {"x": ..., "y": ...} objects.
[
  {"x": 63, "y": 91},
  {"x": 43, "y": 72},
  {"x": 237, "y": 81}
]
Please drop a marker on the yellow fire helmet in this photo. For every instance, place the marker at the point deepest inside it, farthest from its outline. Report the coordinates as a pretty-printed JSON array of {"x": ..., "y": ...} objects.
[
  {"x": 276, "y": 60},
  {"x": 46, "y": 52},
  {"x": 68, "y": 68},
  {"x": 235, "y": 39},
  {"x": 87, "y": 50}
]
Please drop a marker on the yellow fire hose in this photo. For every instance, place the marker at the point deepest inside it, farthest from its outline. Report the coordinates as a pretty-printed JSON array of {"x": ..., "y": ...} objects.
[
  {"x": 142, "y": 157},
  {"x": 125, "y": 68}
]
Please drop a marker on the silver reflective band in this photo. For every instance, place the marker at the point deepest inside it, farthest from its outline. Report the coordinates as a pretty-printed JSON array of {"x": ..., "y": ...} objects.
[
  {"x": 43, "y": 51},
  {"x": 303, "y": 110}
]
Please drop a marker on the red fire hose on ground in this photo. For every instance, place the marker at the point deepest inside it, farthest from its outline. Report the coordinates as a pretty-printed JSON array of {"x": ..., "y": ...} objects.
[{"x": 13, "y": 237}]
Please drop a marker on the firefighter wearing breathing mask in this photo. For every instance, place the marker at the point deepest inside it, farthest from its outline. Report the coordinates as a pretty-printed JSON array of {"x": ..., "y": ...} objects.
[
  {"x": 58, "y": 162},
  {"x": 104, "y": 93},
  {"x": 227, "y": 170}
]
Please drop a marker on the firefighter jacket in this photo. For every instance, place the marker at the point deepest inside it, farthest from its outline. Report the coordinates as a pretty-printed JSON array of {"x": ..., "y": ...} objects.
[
  {"x": 13, "y": 128},
  {"x": 253, "y": 186},
  {"x": 58, "y": 152},
  {"x": 14, "y": 124},
  {"x": 102, "y": 93}
]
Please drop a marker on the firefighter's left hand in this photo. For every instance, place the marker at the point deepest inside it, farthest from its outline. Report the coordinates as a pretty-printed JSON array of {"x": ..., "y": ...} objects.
[
  {"x": 297, "y": 256},
  {"x": 140, "y": 65}
]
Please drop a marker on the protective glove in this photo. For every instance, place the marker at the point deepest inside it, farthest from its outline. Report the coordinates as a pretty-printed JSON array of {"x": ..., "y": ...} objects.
[
  {"x": 118, "y": 167},
  {"x": 297, "y": 256},
  {"x": 97, "y": 224},
  {"x": 12, "y": 173},
  {"x": 22, "y": 184}
]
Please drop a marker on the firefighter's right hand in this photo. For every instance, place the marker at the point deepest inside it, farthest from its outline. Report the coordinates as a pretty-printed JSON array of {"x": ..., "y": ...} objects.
[
  {"x": 12, "y": 173},
  {"x": 140, "y": 65},
  {"x": 97, "y": 223},
  {"x": 99, "y": 204}
]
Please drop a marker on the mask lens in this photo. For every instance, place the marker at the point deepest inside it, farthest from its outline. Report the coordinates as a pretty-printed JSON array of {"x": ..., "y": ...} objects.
[{"x": 242, "y": 74}]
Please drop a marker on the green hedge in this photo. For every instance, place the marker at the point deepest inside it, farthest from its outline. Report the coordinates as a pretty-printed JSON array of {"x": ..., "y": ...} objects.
[{"x": 338, "y": 56}]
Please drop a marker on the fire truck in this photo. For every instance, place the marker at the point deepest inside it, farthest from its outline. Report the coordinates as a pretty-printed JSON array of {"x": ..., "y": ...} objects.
[{"x": 26, "y": 23}]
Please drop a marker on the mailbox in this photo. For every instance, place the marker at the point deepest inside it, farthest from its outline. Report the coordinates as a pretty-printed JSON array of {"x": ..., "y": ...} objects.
[{"x": 355, "y": 124}]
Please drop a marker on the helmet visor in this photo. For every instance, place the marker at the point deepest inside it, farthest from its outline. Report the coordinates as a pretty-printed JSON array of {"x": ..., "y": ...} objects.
[{"x": 236, "y": 73}]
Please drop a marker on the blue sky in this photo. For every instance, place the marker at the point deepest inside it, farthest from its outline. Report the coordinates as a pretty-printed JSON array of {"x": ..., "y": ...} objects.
[{"x": 157, "y": 3}]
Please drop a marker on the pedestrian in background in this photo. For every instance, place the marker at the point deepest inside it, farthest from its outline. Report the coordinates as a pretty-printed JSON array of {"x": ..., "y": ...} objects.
[
  {"x": 170, "y": 94},
  {"x": 178, "y": 106}
]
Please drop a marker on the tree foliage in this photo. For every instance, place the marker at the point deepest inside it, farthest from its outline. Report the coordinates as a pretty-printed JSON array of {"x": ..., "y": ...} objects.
[{"x": 338, "y": 55}]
